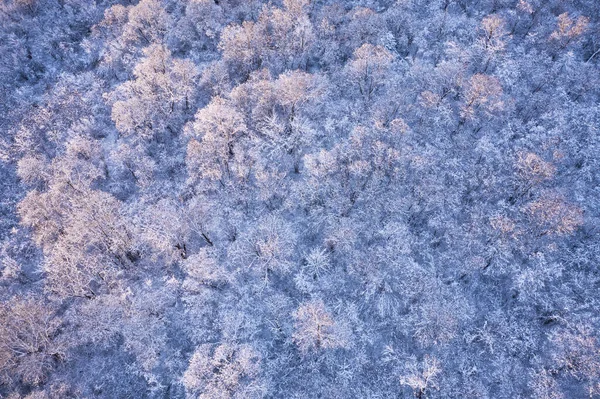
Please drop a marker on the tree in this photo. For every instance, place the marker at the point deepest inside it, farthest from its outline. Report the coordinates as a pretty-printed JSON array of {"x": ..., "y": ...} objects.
[
  {"x": 164, "y": 227},
  {"x": 130, "y": 161},
  {"x": 81, "y": 231},
  {"x": 29, "y": 344},
  {"x": 435, "y": 322},
  {"x": 44, "y": 208},
  {"x": 533, "y": 170},
  {"x": 215, "y": 136},
  {"x": 126, "y": 30},
  {"x": 315, "y": 328},
  {"x": 568, "y": 30},
  {"x": 482, "y": 92},
  {"x": 198, "y": 30},
  {"x": 368, "y": 69},
  {"x": 280, "y": 39},
  {"x": 94, "y": 245},
  {"x": 266, "y": 248},
  {"x": 290, "y": 35},
  {"x": 544, "y": 386},
  {"x": 68, "y": 112},
  {"x": 204, "y": 269},
  {"x": 147, "y": 23},
  {"x": 154, "y": 102},
  {"x": 494, "y": 37},
  {"x": 301, "y": 199},
  {"x": 31, "y": 170},
  {"x": 173, "y": 229},
  {"x": 364, "y": 25},
  {"x": 494, "y": 33},
  {"x": 242, "y": 47},
  {"x": 551, "y": 214},
  {"x": 575, "y": 350},
  {"x": 354, "y": 171},
  {"x": 224, "y": 371},
  {"x": 422, "y": 376},
  {"x": 280, "y": 115}
]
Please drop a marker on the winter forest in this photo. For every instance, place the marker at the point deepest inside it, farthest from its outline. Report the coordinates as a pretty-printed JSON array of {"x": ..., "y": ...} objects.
[{"x": 296, "y": 199}]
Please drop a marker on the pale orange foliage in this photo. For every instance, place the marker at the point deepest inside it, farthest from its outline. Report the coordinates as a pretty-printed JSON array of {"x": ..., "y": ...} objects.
[
  {"x": 567, "y": 29},
  {"x": 577, "y": 351},
  {"x": 494, "y": 33},
  {"x": 429, "y": 99},
  {"x": 503, "y": 224},
  {"x": 482, "y": 91},
  {"x": 534, "y": 169},
  {"x": 554, "y": 215}
]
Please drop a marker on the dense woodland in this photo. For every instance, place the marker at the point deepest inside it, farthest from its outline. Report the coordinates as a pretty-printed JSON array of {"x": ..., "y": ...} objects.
[{"x": 299, "y": 199}]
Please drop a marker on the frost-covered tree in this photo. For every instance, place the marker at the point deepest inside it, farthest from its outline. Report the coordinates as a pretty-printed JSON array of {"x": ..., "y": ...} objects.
[
  {"x": 422, "y": 376},
  {"x": 315, "y": 328},
  {"x": 224, "y": 371},
  {"x": 368, "y": 69},
  {"x": 29, "y": 343},
  {"x": 154, "y": 102},
  {"x": 213, "y": 148}
]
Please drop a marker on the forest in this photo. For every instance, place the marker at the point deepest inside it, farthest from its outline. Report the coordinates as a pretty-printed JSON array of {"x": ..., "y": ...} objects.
[{"x": 299, "y": 199}]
